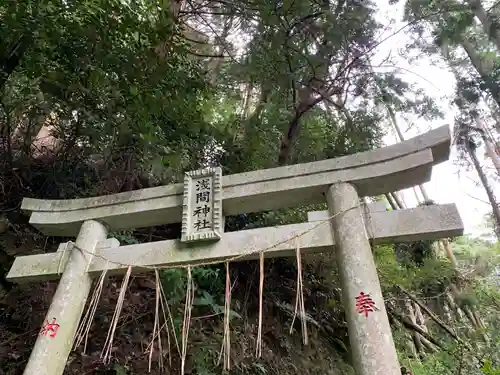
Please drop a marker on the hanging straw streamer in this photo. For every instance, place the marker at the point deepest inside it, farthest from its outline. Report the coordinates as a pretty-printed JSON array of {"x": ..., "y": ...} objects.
[
  {"x": 156, "y": 328},
  {"x": 108, "y": 345},
  {"x": 161, "y": 304},
  {"x": 187, "y": 317},
  {"x": 164, "y": 306},
  {"x": 299, "y": 299},
  {"x": 62, "y": 258},
  {"x": 258, "y": 349},
  {"x": 226, "y": 341},
  {"x": 84, "y": 328}
]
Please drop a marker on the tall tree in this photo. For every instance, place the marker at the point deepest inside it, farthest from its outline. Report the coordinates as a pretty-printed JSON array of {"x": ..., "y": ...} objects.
[
  {"x": 465, "y": 140},
  {"x": 452, "y": 26},
  {"x": 489, "y": 22},
  {"x": 491, "y": 150}
]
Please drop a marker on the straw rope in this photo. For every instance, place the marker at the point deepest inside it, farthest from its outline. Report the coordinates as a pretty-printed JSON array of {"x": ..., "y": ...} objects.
[
  {"x": 258, "y": 347},
  {"x": 299, "y": 299},
  {"x": 224, "y": 260},
  {"x": 162, "y": 304}
]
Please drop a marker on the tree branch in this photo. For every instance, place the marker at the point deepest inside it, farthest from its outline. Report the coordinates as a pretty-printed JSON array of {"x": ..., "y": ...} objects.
[
  {"x": 438, "y": 321},
  {"x": 13, "y": 58},
  {"x": 407, "y": 323}
]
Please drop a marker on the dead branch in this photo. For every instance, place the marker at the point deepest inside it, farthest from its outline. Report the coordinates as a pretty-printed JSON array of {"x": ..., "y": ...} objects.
[
  {"x": 407, "y": 323},
  {"x": 438, "y": 321}
]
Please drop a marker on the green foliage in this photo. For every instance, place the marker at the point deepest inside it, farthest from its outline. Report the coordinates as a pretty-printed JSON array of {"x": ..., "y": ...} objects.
[
  {"x": 488, "y": 369},
  {"x": 466, "y": 299},
  {"x": 431, "y": 276},
  {"x": 206, "y": 279},
  {"x": 209, "y": 286},
  {"x": 97, "y": 68},
  {"x": 456, "y": 360},
  {"x": 204, "y": 361},
  {"x": 125, "y": 237},
  {"x": 120, "y": 370},
  {"x": 414, "y": 253},
  {"x": 479, "y": 295},
  {"x": 174, "y": 284}
]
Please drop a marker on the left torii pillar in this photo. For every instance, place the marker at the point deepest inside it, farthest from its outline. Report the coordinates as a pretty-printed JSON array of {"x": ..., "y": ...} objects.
[{"x": 53, "y": 345}]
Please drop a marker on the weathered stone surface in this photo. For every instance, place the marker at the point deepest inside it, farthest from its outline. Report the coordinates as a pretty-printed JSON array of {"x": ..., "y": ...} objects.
[
  {"x": 379, "y": 206},
  {"x": 387, "y": 169},
  {"x": 437, "y": 140},
  {"x": 109, "y": 242},
  {"x": 51, "y": 349},
  {"x": 372, "y": 346},
  {"x": 244, "y": 193},
  {"x": 202, "y": 205},
  {"x": 428, "y": 222}
]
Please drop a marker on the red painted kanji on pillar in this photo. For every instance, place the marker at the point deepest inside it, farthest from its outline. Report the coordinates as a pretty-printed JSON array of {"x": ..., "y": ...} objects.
[
  {"x": 50, "y": 329},
  {"x": 364, "y": 304}
]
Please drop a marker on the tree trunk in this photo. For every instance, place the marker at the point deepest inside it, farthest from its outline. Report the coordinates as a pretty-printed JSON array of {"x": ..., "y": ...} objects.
[
  {"x": 484, "y": 18},
  {"x": 449, "y": 253},
  {"x": 408, "y": 324},
  {"x": 482, "y": 70},
  {"x": 452, "y": 304},
  {"x": 438, "y": 321},
  {"x": 398, "y": 203},
  {"x": 420, "y": 321},
  {"x": 251, "y": 117},
  {"x": 495, "y": 113},
  {"x": 391, "y": 201},
  {"x": 447, "y": 312},
  {"x": 415, "y": 335},
  {"x": 247, "y": 101},
  {"x": 11, "y": 56},
  {"x": 317, "y": 86},
  {"x": 398, "y": 199},
  {"x": 420, "y": 317},
  {"x": 490, "y": 149},
  {"x": 471, "y": 317},
  {"x": 428, "y": 345},
  {"x": 216, "y": 63},
  {"x": 164, "y": 48},
  {"x": 484, "y": 181},
  {"x": 306, "y": 100},
  {"x": 494, "y": 90}
]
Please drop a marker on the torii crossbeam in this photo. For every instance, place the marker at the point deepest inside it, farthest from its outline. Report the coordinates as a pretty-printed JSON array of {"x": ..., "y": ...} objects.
[{"x": 347, "y": 228}]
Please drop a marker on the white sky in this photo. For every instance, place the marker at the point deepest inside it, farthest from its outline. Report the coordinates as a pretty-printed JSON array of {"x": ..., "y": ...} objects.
[{"x": 448, "y": 184}]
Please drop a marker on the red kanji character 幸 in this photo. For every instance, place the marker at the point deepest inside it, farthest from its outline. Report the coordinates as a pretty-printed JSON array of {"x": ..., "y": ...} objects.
[
  {"x": 50, "y": 328},
  {"x": 365, "y": 304}
]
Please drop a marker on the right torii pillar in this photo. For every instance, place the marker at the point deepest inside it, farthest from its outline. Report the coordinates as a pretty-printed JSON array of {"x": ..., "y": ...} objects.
[{"x": 372, "y": 345}]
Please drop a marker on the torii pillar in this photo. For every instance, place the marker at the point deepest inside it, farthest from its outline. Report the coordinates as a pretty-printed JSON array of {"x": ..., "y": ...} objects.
[
  {"x": 49, "y": 355},
  {"x": 372, "y": 346}
]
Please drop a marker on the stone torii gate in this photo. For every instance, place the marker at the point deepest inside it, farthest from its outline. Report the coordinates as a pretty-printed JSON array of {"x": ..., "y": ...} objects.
[{"x": 201, "y": 204}]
